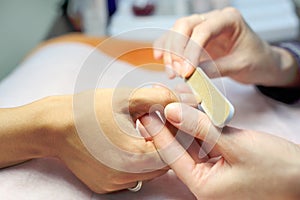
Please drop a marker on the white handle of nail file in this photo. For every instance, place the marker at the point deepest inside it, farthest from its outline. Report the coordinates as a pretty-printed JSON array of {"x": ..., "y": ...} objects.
[{"x": 214, "y": 103}]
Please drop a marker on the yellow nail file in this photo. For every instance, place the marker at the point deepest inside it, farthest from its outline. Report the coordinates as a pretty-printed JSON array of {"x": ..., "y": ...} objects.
[{"x": 214, "y": 103}]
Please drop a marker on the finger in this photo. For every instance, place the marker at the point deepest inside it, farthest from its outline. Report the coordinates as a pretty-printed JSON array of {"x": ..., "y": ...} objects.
[
  {"x": 142, "y": 131},
  {"x": 197, "y": 124},
  {"x": 128, "y": 180},
  {"x": 170, "y": 72},
  {"x": 131, "y": 178},
  {"x": 214, "y": 25},
  {"x": 210, "y": 68},
  {"x": 171, "y": 152},
  {"x": 183, "y": 93},
  {"x": 169, "y": 68},
  {"x": 186, "y": 95},
  {"x": 158, "y": 46},
  {"x": 224, "y": 66},
  {"x": 171, "y": 45},
  {"x": 188, "y": 99},
  {"x": 166, "y": 48},
  {"x": 184, "y": 26},
  {"x": 179, "y": 35},
  {"x": 169, "y": 54},
  {"x": 182, "y": 30},
  {"x": 176, "y": 46},
  {"x": 183, "y": 88},
  {"x": 162, "y": 50},
  {"x": 142, "y": 100},
  {"x": 194, "y": 149}
]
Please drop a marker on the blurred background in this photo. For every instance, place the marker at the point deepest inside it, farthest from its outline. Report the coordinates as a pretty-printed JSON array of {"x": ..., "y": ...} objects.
[{"x": 25, "y": 24}]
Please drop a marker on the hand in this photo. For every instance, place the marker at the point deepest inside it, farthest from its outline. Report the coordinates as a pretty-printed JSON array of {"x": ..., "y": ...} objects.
[
  {"x": 94, "y": 136},
  {"x": 123, "y": 158},
  {"x": 233, "y": 50},
  {"x": 242, "y": 164}
]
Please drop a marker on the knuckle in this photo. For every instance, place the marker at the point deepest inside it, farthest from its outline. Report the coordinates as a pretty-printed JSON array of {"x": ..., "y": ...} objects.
[
  {"x": 181, "y": 23},
  {"x": 109, "y": 189},
  {"x": 169, "y": 96},
  {"x": 233, "y": 12},
  {"x": 200, "y": 30},
  {"x": 166, "y": 96},
  {"x": 106, "y": 184},
  {"x": 121, "y": 179},
  {"x": 98, "y": 190},
  {"x": 193, "y": 16},
  {"x": 200, "y": 128}
]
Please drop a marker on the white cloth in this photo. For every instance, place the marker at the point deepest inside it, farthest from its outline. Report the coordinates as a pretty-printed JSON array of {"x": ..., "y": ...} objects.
[{"x": 54, "y": 70}]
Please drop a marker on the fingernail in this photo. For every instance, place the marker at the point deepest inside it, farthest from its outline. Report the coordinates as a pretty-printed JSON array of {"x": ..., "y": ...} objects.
[
  {"x": 171, "y": 74},
  {"x": 142, "y": 131},
  {"x": 187, "y": 69},
  {"x": 177, "y": 67},
  {"x": 157, "y": 54},
  {"x": 173, "y": 113},
  {"x": 152, "y": 124}
]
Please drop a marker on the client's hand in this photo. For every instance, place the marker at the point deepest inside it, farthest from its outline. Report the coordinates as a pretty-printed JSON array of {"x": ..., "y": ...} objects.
[
  {"x": 241, "y": 164},
  {"x": 106, "y": 126},
  {"x": 233, "y": 49},
  {"x": 92, "y": 133}
]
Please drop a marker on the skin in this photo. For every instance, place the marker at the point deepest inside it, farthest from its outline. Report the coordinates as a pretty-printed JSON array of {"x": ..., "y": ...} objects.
[
  {"x": 234, "y": 49},
  {"x": 242, "y": 164},
  {"x": 46, "y": 128}
]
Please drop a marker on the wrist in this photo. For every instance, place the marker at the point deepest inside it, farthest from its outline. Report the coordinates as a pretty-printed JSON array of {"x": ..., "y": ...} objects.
[
  {"x": 293, "y": 175},
  {"x": 57, "y": 123},
  {"x": 23, "y": 134},
  {"x": 44, "y": 132},
  {"x": 286, "y": 72}
]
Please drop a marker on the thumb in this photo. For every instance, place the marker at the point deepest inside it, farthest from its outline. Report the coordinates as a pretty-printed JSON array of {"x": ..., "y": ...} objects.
[
  {"x": 196, "y": 123},
  {"x": 191, "y": 121},
  {"x": 223, "y": 66}
]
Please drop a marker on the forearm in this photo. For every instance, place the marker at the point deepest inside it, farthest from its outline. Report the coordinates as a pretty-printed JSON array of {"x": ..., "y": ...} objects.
[{"x": 23, "y": 134}]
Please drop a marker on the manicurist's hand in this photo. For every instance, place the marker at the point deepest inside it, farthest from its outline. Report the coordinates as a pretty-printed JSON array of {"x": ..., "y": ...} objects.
[
  {"x": 240, "y": 164},
  {"x": 222, "y": 44},
  {"x": 92, "y": 133}
]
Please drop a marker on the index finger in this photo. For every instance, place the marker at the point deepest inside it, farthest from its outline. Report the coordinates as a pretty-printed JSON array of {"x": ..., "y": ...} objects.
[{"x": 171, "y": 152}]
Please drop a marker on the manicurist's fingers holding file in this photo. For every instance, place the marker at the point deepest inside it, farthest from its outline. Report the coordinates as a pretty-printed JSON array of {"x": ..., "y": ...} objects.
[
  {"x": 233, "y": 50},
  {"x": 231, "y": 163},
  {"x": 234, "y": 164}
]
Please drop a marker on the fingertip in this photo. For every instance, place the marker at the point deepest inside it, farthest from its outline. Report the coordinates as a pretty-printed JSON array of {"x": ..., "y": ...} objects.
[
  {"x": 177, "y": 67},
  {"x": 157, "y": 54},
  {"x": 173, "y": 113},
  {"x": 142, "y": 131},
  {"x": 152, "y": 124},
  {"x": 188, "y": 69},
  {"x": 170, "y": 72}
]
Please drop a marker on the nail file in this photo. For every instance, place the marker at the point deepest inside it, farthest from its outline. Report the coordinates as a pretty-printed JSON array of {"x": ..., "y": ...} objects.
[{"x": 214, "y": 103}]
